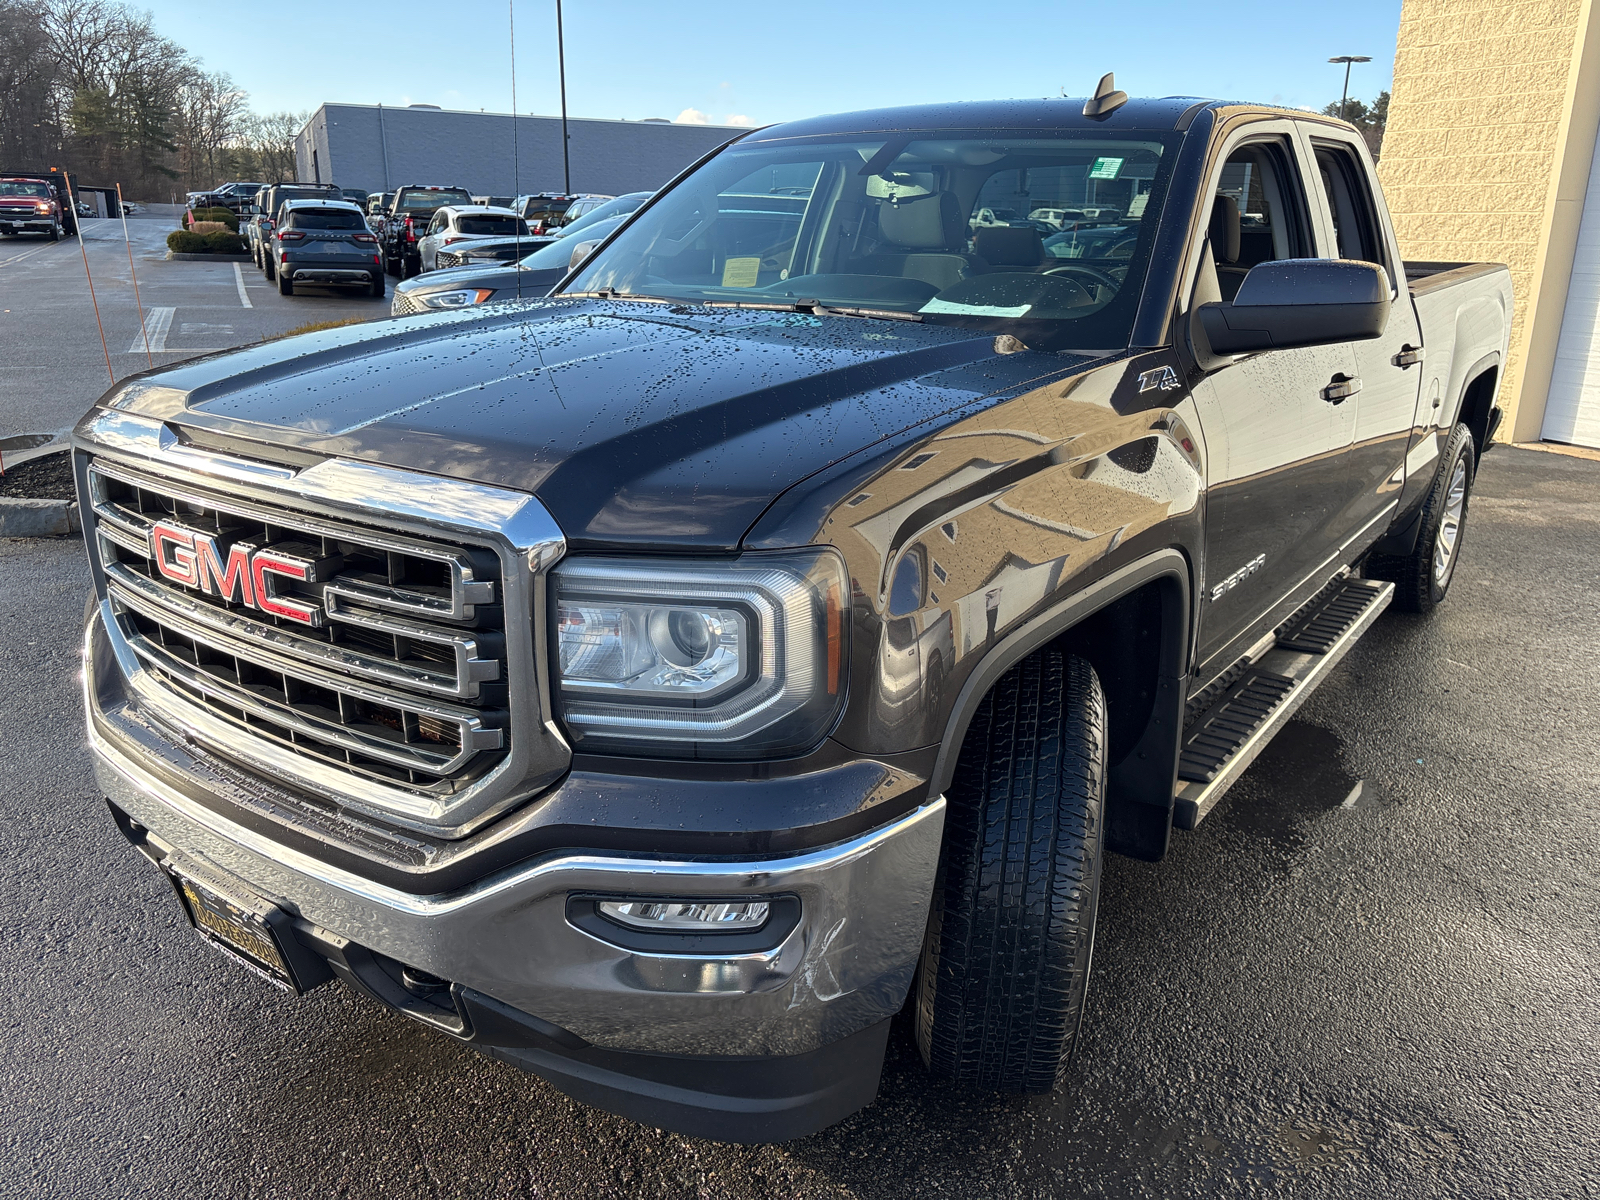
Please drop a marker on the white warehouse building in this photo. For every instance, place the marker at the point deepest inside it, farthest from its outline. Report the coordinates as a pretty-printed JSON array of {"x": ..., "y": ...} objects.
[{"x": 378, "y": 148}]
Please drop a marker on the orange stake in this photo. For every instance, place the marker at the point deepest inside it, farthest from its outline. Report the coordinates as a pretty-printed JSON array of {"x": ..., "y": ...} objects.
[
  {"x": 77, "y": 221},
  {"x": 136, "y": 302}
]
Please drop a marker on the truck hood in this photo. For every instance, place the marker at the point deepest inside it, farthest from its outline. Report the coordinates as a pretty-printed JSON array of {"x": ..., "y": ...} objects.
[{"x": 634, "y": 423}]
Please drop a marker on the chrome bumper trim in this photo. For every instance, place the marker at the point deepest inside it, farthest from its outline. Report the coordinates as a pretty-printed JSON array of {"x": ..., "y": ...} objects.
[{"x": 847, "y": 964}]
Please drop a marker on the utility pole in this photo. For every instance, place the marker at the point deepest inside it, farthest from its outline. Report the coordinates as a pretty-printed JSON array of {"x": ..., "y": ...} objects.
[
  {"x": 561, "y": 61},
  {"x": 1346, "y": 59}
]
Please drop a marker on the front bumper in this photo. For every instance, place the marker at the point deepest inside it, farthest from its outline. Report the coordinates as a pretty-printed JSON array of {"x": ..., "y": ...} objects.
[
  {"x": 10, "y": 224},
  {"x": 508, "y": 948}
]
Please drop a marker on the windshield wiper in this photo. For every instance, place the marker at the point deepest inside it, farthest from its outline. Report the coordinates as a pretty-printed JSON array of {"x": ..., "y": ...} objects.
[{"x": 810, "y": 307}]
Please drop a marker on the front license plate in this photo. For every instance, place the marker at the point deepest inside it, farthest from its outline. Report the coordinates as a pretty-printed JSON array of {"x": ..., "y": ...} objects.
[{"x": 239, "y": 925}]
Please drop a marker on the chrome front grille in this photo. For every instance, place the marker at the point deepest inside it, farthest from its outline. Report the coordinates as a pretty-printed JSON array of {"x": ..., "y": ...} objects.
[
  {"x": 403, "y": 305},
  {"x": 370, "y": 664}
]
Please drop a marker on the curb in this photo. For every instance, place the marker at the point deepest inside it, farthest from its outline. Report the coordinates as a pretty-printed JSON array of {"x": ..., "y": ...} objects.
[
  {"x": 38, "y": 518},
  {"x": 174, "y": 256}
]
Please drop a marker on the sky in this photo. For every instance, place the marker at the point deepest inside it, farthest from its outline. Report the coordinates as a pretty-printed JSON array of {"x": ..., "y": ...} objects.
[{"x": 755, "y": 63}]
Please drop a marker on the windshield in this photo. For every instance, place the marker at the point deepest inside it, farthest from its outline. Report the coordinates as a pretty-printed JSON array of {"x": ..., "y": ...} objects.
[
  {"x": 325, "y": 218},
  {"x": 490, "y": 225},
  {"x": 915, "y": 224},
  {"x": 559, "y": 252},
  {"x": 23, "y": 187}
]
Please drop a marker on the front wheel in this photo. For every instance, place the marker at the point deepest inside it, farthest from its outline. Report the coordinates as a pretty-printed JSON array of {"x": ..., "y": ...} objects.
[
  {"x": 1010, "y": 942},
  {"x": 55, "y": 233},
  {"x": 1422, "y": 578}
]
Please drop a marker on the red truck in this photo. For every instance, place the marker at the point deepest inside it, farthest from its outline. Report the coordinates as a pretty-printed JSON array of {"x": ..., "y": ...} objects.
[{"x": 32, "y": 203}]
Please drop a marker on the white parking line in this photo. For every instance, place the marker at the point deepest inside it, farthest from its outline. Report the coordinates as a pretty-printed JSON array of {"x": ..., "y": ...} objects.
[
  {"x": 156, "y": 323},
  {"x": 238, "y": 278}
]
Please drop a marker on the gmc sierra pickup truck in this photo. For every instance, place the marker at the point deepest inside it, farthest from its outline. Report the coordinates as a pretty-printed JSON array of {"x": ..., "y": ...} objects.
[{"x": 664, "y": 684}]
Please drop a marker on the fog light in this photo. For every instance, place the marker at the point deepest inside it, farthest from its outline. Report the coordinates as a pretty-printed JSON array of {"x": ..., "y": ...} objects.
[{"x": 687, "y": 916}]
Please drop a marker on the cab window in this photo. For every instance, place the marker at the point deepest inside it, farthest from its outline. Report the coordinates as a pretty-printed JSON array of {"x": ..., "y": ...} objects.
[
  {"x": 1257, "y": 214},
  {"x": 1344, "y": 188}
]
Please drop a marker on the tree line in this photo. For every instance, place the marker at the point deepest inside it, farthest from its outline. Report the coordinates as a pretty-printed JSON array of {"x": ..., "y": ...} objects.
[{"x": 89, "y": 85}]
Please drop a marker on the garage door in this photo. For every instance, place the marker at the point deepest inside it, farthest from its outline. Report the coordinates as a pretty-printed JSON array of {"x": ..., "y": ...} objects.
[{"x": 1572, "y": 412}]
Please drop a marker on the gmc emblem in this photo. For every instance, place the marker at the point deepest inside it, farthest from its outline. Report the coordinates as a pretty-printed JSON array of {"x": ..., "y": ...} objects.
[{"x": 240, "y": 574}]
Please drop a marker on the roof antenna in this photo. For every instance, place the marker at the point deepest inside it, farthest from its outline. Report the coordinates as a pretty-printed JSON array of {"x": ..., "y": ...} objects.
[{"x": 1106, "y": 99}]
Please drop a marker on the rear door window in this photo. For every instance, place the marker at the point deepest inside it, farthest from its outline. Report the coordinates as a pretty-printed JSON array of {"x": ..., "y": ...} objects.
[{"x": 1344, "y": 187}]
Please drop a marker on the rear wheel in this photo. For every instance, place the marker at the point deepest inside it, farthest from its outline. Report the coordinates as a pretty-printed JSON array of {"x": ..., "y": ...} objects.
[
  {"x": 266, "y": 265},
  {"x": 285, "y": 284},
  {"x": 1422, "y": 578},
  {"x": 376, "y": 288},
  {"x": 1010, "y": 941}
]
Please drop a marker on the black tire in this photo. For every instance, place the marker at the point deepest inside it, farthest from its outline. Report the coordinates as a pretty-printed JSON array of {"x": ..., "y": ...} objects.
[
  {"x": 377, "y": 288},
  {"x": 267, "y": 268},
  {"x": 285, "y": 284},
  {"x": 55, "y": 233},
  {"x": 1422, "y": 578},
  {"x": 1010, "y": 943}
]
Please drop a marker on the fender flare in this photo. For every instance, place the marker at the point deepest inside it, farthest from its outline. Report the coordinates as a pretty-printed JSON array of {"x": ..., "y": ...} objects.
[
  {"x": 1168, "y": 564},
  {"x": 1490, "y": 361}
]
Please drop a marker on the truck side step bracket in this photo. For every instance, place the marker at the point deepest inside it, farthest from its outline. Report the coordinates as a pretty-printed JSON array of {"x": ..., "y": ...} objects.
[{"x": 1225, "y": 739}]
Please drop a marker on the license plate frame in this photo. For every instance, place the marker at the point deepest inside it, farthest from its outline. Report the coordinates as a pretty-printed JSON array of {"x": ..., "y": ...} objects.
[{"x": 251, "y": 930}]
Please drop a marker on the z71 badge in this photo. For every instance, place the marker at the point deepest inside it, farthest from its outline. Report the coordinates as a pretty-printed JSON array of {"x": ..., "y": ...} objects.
[{"x": 1160, "y": 379}]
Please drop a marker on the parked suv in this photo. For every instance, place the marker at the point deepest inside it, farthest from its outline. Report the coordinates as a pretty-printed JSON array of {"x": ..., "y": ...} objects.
[
  {"x": 407, "y": 217},
  {"x": 263, "y": 213},
  {"x": 324, "y": 241},
  {"x": 455, "y": 224}
]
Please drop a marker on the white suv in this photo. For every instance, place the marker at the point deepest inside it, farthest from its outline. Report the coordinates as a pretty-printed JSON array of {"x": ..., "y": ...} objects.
[{"x": 465, "y": 223}]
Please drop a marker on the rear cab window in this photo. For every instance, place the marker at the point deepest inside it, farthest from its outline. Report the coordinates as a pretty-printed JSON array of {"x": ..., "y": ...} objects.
[{"x": 430, "y": 198}]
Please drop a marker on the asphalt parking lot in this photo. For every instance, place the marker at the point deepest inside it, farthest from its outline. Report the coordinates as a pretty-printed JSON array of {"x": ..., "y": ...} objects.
[
  {"x": 1391, "y": 999},
  {"x": 54, "y": 367}
]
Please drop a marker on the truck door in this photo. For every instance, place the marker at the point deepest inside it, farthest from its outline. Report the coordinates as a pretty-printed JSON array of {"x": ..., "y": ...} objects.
[
  {"x": 1276, "y": 441},
  {"x": 1385, "y": 406}
]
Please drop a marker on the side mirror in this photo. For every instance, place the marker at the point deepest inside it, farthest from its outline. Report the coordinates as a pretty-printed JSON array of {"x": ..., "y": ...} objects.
[
  {"x": 580, "y": 252},
  {"x": 1300, "y": 302}
]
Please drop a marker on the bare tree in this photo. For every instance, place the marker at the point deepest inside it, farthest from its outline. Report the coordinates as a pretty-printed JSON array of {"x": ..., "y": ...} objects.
[{"x": 29, "y": 133}]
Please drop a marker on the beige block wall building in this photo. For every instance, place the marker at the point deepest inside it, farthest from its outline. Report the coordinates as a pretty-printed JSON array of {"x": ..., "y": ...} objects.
[{"x": 1488, "y": 156}]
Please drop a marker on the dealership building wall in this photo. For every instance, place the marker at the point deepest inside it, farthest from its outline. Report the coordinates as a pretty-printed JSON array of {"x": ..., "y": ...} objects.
[
  {"x": 379, "y": 148},
  {"x": 1488, "y": 156}
]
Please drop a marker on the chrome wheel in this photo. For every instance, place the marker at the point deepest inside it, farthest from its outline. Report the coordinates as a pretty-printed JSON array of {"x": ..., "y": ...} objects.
[{"x": 1449, "y": 537}]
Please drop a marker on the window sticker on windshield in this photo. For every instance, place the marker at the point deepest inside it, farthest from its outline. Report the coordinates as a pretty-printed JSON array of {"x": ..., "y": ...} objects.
[
  {"x": 741, "y": 272},
  {"x": 974, "y": 310},
  {"x": 1105, "y": 168}
]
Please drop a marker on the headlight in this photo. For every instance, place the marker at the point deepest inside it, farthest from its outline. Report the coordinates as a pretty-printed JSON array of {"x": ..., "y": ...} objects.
[
  {"x": 744, "y": 659},
  {"x": 462, "y": 298}
]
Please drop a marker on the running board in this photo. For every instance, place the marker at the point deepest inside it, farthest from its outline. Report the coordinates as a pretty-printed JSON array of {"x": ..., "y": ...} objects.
[{"x": 1224, "y": 739}]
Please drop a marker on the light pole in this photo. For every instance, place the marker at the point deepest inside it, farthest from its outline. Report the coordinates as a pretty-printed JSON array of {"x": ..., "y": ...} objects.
[
  {"x": 561, "y": 60},
  {"x": 1347, "y": 59}
]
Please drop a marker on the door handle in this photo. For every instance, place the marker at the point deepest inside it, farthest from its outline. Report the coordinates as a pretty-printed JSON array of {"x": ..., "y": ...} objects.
[
  {"x": 1341, "y": 387},
  {"x": 1409, "y": 356}
]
